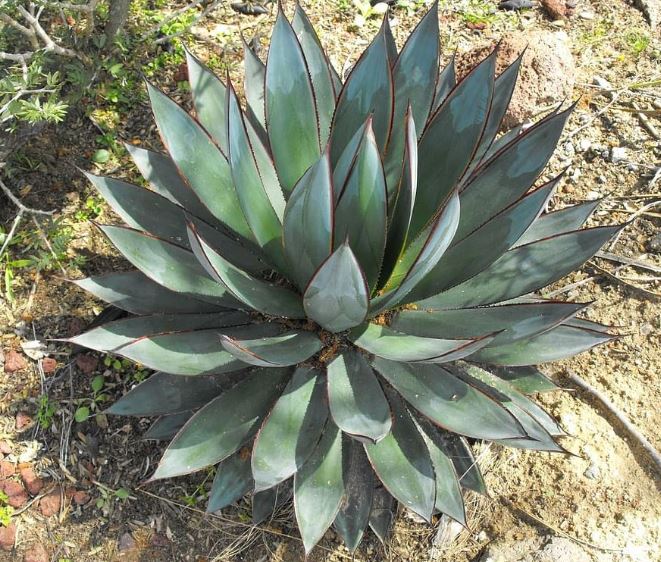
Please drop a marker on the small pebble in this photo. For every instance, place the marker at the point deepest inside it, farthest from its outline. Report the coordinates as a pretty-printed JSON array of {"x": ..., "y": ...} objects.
[
  {"x": 584, "y": 145},
  {"x": 646, "y": 329},
  {"x": 618, "y": 154},
  {"x": 592, "y": 195},
  {"x": 632, "y": 167},
  {"x": 602, "y": 83},
  {"x": 601, "y": 179},
  {"x": 591, "y": 472},
  {"x": 586, "y": 15},
  {"x": 569, "y": 149}
]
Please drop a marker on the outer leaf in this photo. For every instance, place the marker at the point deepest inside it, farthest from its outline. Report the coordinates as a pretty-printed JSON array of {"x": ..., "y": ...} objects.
[
  {"x": 191, "y": 353},
  {"x": 162, "y": 173},
  {"x": 169, "y": 265},
  {"x": 259, "y": 202},
  {"x": 320, "y": 71},
  {"x": 527, "y": 405},
  {"x": 448, "y": 401},
  {"x": 356, "y": 401},
  {"x": 253, "y": 85},
  {"x": 291, "y": 114},
  {"x": 201, "y": 162},
  {"x": 459, "y": 451},
  {"x": 398, "y": 346},
  {"x": 337, "y": 296},
  {"x": 401, "y": 461},
  {"x": 113, "y": 335},
  {"x": 308, "y": 222},
  {"x": 558, "y": 343},
  {"x": 209, "y": 99},
  {"x": 509, "y": 173},
  {"x": 450, "y": 139},
  {"x": 361, "y": 212},
  {"x": 404, "y": 199},
  {"x": 447, "y": 80},
  {"x": 526, "y": 380},
  {"x": 469, "y": 256},
  {"x": 291, "y": 431},
  {"x": 264, "y": 504},
  {"x": 367, "y": 91},
  {"x": 136, "y": 293},
  {"x": 422, "y": 256},
  {"x": 233, "y": 480},
  {"x": 255, "y": 293},
  {"x": 163, "y": 394},
  {"x": 512, "y": 321},
  {"x": 353, "y": 517},
  {"x": 145, "y": 210},
  {"x": 275, "y": 351},
  {"x": 319, "y": 487},
  {"x": 222, "y": 426},
  {"x": 166, "y": 427},
  {"x": 525, "y": 269},
  {"x": 384, "y": 508},
  {"x": 414, "y": 76},
  {"x": 448, "y": 492},
  {"x": 565, "y": 220}
]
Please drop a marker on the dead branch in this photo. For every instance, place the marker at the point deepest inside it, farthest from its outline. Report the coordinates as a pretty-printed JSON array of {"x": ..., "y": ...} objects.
[{"x": 631, "y": 429}]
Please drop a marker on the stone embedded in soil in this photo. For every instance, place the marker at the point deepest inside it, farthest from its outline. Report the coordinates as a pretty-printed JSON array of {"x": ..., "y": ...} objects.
[
  {"x": 126, "y": 542},
  {"x": 81, "y": 497},
  {"x": 7, "y": 469},
  {"x": 32, "y": 482},
  {"x": 50, "y": 503},
  {"x": 547, "y": 75},
  {"x": 37, "y": 553},
  {"x": 48, "y": 364},
  {"x": 558, "y": 549},
  {"x": 14, "y": 361},
  {"x": 22, "y": 420},
  {"x": 7, "y": 537},
  {"x": 159, "y": 540},
  {"x": 556, "y": 9},
  {"x": 5, "y": 447},
  {"x": 87, "y": 363},
  {"x": 16, "y": 494}
]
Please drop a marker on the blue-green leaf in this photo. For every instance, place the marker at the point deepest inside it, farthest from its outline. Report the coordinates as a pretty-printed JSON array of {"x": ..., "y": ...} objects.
[
  {"x": 222, "y": 426},
  {"x": 448, "y": 401},
  {"x": 209, "y": 98},
  {"x": 291, "y": 431},
  {"x": 308, "y": 222},
  {"x": 319, "y": 487},
  {"x": 253, "y": 86},
  {"x": 447, "y": 80},
  {"x": 449, "y": 140},
  {"x": 527, "y": 380},
  {"x": 356, "y": 401},
  {"x": 200, "y": 161},
  {"x": 291, "y": 114},
  {"x": 401, "y": 461},
  {"x": 337, "y": 295},
  {"x": 259, "y": 295},
  {"x": 274, "y": 351},
  {"x": 361, "y": 211},
  {"x": 166, "y": 427},
  {"x": 233, "y": 480},
  {"x": 383, "y": 512}
]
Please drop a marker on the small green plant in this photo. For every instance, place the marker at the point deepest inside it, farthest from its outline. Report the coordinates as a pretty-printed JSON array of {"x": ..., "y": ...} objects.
[
  {"x": 45, "y": 411},
  {"x": 341, "y": 283},
  {"x": 107, "y": 496},
  {"x": 91, "y": 209},
  {"x": 637, "y": 41},
  {"x": 6, "y": 510},
  {"x": 365, "y": 11},
  {"x": 92, "y": 405}
]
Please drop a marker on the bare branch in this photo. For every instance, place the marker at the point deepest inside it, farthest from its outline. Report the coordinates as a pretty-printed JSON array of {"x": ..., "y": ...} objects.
[{"x": 29, "y": 33}]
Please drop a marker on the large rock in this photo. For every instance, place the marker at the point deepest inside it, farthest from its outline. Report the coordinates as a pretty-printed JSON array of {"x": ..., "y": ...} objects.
[
  {"x": 555, "y": 549},
  {"x": 547, "y": 73}
]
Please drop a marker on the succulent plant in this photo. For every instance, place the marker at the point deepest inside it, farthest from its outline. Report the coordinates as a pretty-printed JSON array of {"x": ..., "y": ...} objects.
[{"x": 336, "y": 284}]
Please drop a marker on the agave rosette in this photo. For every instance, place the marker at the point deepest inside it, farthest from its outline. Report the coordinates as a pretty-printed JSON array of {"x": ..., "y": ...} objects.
[{"x": 336, "y": 283}]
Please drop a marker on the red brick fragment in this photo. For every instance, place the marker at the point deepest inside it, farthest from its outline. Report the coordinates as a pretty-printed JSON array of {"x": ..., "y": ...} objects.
[
  {"x": 32, "y": 482},
  {"x": 50, "y": 503},
  {"x": 7, "y": 537},
  {"x": 14, "y": 361}
]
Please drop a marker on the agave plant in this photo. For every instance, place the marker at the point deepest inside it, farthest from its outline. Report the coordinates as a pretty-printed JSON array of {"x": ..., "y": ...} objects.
[{"x": 336, "y": 283}]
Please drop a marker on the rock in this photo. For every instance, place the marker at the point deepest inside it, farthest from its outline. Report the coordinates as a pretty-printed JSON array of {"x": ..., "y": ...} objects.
[
  {"x": 584, "y": 145},
  {"x": 126, "y": 542},
  {"x": 651, "y": 10},
  {"x": 48, "y": 364},
  {"x": 50, "y": 503},
  {"x": 556, "y": 9},
  {"x": 654, "y": 243},
  {"x": 618, "y": 154},
  {"x": 81, "y": 497},
  {"x": 14, "y": 361},
  {"x": 22, "y": 420},
  {"x": 37, "y": 553},
  {"x": 586, "y": 15},
  {"x": 32, "y": 482},
  {"x": 7, "y": 537},
  {"x": 16, "y": 494},
  {"x": 159, "y": 541},
  {"x": 557, "y": 549},
  {"x": 7, "y": 469},
  {"x": 5, "y": 447},
  {"x": 87, "y": 363},
  {"x": 547, "y": 73},
  {"x": 592, "y": 472}
]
